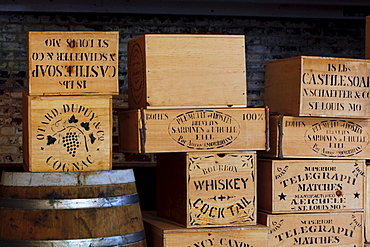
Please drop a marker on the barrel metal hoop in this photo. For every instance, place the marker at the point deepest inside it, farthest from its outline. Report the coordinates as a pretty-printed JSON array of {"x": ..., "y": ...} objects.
[
  {"x": 51, "y": 204},
  {"x": 89, "y": 242}
]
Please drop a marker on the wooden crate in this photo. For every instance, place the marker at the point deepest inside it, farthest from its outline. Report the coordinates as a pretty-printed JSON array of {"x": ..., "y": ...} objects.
[
  {"x": 172, "y": 70},
  {"x": 367, "y": 204},
  {"x": 63, "y": 133},
  {"x": 367, "y": 38},
  {"x": 185, "y": 130},
  {"x": 72, "y": 63},
  {"x": 318, "y": 86},
  {"x": 163, "y": 233},
  {"x": 207, "y": 189},
  {"x": 315, "y": 137},
  {"x": 287, "y": 186},
  {"x": 330, "y": 229}
]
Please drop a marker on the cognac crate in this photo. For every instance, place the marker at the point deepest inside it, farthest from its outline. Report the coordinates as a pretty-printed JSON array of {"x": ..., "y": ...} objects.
[
  {"x": 72, "y": 63},
  {"x": 330, "y": 229},
  {"x": 310, "y": 186},
  {"x": 185, "y": 130},
  {"x": 207, "y": 189},
  {"x": 63, "y": 133},
  {"x": 319, "y": 86},
  {"x": 163, "y": 233},
  {"x": 317, "y": 137},
  {"x": 171, "y": 70}
]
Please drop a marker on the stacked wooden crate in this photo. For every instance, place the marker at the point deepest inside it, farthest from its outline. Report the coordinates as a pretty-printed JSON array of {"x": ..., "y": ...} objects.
[
  {"x": 68, "y": 105},
  {"x": 67, "y": 125},
  {"x": 314, "y": 193},
  {"x": 187, "y": 95}
]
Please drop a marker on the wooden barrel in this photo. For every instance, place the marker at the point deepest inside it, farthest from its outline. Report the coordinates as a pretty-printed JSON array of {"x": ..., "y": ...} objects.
[{"x": 92, "y": 208}]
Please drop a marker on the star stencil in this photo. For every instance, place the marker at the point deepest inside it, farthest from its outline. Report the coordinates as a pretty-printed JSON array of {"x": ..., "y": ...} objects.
[
  {"x": 356, "y": 195},
  {"x": 282, "y": 196}
]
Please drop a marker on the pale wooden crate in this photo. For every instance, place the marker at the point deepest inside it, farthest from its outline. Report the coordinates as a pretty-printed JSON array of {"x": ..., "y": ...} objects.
[
  {"x": 207, "y": 189},
  {"x": 163, "y": 233},
  {"x": 318, "y": 137},
  {"x": 185, "y": 130},
  {"x": 181, "y": 70},
  {"x": 72, "y": 63},
  {"x": 318, "y": 86},
  {"x": 367, "y": 37},
  {"x": 67, "y": 133},
  {"x": 367, "y": 205},
  {"x": 321, "y": 229},
  {"x": 310, "y": 186}
]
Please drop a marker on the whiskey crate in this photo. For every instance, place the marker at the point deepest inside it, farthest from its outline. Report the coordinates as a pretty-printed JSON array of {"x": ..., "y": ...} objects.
[
  {"x": 207, "y": 189},
  {"x": 67, "y": 133},
  {"x": 72, "y": 63},
  {"x": 300, "y": 186},
  {"x": 172, "y": 70},
  {"x": 163, "y": 233},
  {"x": 330, "y": 229},
  {"x": 318, "y": 86},
  {"x": 318, "y": 137},
  {"x": 185, "y": 130}
]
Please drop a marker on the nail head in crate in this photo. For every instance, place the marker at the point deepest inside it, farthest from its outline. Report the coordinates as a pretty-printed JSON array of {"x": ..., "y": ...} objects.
[
  {"x": 310, "y": 186},
  {"x": 172, "y": 70},
  {"x": 185, "y": 130},
  {"x": 67, "y": 133},
  {"x": 318, "y": 137},
  {"x": 163, "y": 233},
  {"x": 330, "y": 229},
  {"x": 72, "y": 63},
  {"x": 207, "y": 189},
  {"x": 318, "y": 86}
]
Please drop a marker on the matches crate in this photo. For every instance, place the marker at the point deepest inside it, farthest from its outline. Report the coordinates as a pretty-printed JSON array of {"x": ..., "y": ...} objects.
[
  {"x": 72, "y": 63},
  {"x": 330, "y": 229},
  {"x": 186, "y": 71},
  {"x": 163, "y": 233},
  {"x": 207, "y": 189},
  {"x": 187, "y": 130},
  {"x": 318, "y": 137},
  {"x": 310, "y": 186},
  {"x": 367, "y": 204},
  {"x": 63, "y": 133},
  {"x": 318, "y": 86}
]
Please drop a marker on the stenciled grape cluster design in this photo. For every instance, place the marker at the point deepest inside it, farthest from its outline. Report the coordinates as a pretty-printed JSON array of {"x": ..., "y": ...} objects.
[{"x": 73, "y": 133}]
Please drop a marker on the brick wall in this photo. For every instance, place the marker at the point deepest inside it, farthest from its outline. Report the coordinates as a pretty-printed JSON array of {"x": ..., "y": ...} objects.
[{"x": 266, "y": 39}]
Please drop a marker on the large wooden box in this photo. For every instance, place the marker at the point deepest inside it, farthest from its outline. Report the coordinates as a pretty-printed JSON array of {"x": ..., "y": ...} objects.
[
  {"x": 63, "y": 133},
  {"x": 185, "y": 130},
  {"x": 72, "y": 63},
  {"x": 330, "y": 229},
  {"x": 172, "y": 70},
  {"x": 315, "y": 137},
  {"x": 163, "y": 233},
  {"x": 207, "y": 189},
  {"x": 318, "y": 86},
  {"x": 367, "y": 204},
  {"x": 287, "y": 186}
]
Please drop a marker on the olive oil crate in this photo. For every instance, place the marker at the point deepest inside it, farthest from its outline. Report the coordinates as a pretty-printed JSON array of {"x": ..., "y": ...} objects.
[
  {"x": 318, "y": 86},
  {"x": 163, "y": 233},
  {"x": 72, "y": 63},
  {"x": 310, "y": 186},
  {"x": 207, "y": 189},
  {"x": 67, "y": 133},
  {"x": 321, "y": 229},
  {"x": 185, "y": 130},
  {"x": 186, "y": 71},
  {"x": 318, "y": 137}
]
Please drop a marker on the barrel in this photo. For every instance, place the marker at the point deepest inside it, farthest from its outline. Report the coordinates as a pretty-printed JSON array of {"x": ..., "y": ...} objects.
[{"x": 91, "y": 208}]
